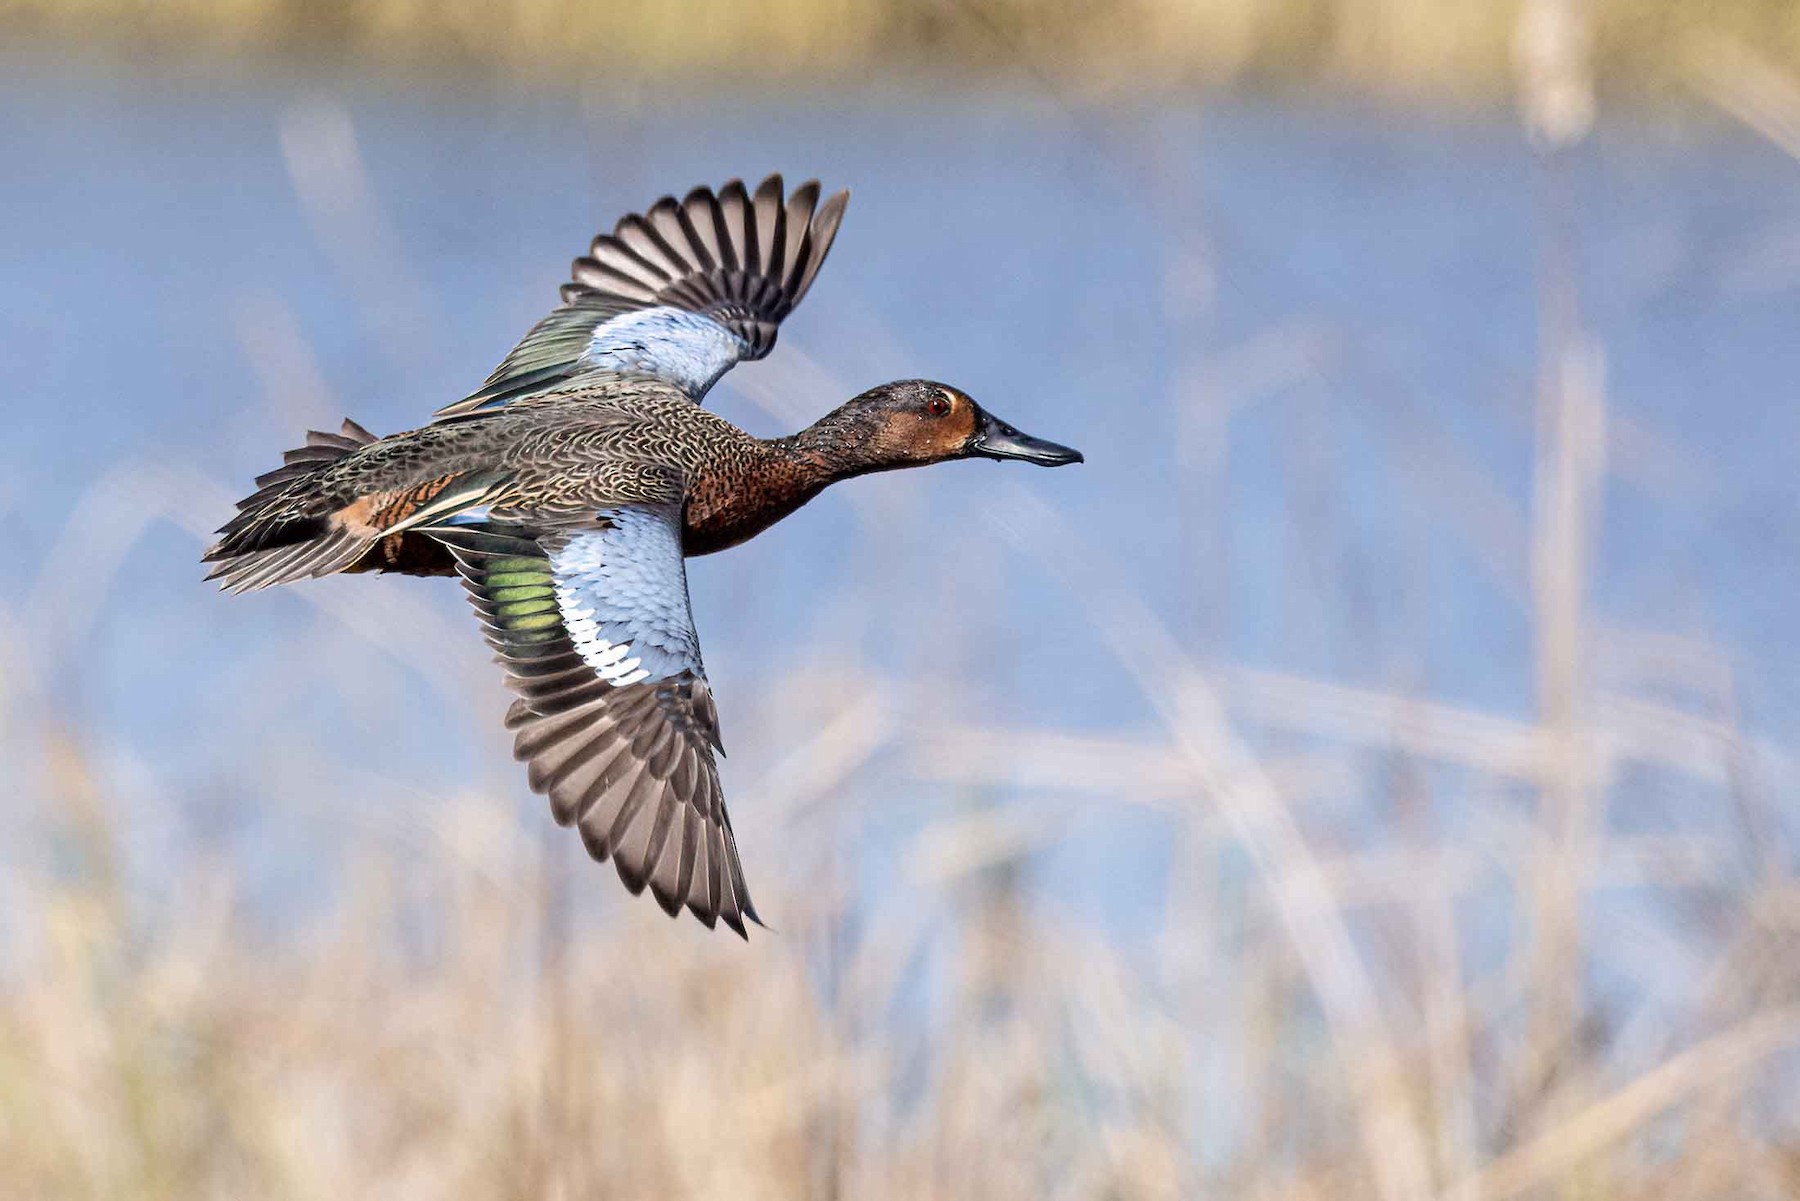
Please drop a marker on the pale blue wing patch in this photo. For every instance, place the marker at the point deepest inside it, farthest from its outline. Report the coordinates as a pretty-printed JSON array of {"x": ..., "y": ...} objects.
[
  {"x": 690, "y": 350},
  {"x": 622, "y": 592}
]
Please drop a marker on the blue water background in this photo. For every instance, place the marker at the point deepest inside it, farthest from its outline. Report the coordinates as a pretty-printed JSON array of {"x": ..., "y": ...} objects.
[{"x": 1090, "y": 274}]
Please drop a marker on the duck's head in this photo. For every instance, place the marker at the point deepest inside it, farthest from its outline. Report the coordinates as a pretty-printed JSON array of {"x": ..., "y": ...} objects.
[{"x": 911, "y": 422}]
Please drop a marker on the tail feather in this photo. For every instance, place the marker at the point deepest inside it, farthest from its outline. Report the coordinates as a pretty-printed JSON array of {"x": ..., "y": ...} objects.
[
  {"x": 325, "y": 555},
  {"x": 320, "y": 448},
  {"x": 307, "y": 520},
  {"x": 283, "y": 530}
]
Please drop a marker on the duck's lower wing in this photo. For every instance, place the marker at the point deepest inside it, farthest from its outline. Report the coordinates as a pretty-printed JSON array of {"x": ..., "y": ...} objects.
[{"x": 614, "y": 716}]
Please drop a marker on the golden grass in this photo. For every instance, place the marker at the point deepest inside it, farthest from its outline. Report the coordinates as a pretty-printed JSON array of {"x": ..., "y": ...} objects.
[
  {"x": 454, "y": 1026},
  {"x": 1420, "y": 48}
]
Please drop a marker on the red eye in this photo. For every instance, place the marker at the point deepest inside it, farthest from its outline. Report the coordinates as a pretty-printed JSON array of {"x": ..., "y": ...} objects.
[{"x": 939, "y": 406}]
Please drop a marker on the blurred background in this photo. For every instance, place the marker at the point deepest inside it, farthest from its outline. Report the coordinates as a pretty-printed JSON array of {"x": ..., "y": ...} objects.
[{"x": 1372, "y": 774}]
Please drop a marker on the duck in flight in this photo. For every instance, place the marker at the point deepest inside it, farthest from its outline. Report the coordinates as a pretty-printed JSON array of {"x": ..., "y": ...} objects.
[{"x": 567, "y": 491}]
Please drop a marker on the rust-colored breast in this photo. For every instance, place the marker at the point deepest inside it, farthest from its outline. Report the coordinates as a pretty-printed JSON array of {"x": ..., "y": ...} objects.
[{"x": 732, "y": 502}]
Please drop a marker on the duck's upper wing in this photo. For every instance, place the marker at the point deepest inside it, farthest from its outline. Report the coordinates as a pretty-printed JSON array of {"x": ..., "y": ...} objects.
[
  {"x": 682, "y": 291},
  {"x": 614, "y": 716}
]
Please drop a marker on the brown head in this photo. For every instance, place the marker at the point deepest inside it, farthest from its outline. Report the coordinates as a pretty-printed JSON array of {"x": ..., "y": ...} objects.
[{"x": 909, "y": 423}]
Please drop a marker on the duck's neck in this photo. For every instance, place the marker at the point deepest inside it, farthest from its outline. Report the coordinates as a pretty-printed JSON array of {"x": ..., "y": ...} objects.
[
  {"x": 769, "y": 478},
  {"x": 838, "y": 446}
]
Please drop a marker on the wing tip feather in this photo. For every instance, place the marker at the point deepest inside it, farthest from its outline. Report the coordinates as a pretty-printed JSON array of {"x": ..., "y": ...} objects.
[{"x": 747, "y": 264}]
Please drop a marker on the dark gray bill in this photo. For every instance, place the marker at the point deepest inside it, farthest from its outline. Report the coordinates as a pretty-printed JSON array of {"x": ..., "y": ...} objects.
[{"x": 995, "y": 439}]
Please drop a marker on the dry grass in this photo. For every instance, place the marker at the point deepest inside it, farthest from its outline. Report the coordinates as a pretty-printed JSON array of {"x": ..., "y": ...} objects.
[
  {"x": 1398, "y": 47},
  {"x": 456, "y": 1025},
  {"x": 453, "y": 1026}
]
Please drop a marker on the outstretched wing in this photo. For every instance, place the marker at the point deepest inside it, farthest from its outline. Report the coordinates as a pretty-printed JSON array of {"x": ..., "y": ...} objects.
[
  {"x": 682, "y": 292},
  {"x": 614, "y": 716}
]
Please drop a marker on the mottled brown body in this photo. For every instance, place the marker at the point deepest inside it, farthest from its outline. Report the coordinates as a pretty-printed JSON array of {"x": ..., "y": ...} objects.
[
  {"x": 619, "y": 441},
  {"x": 613, "y": 440}
]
